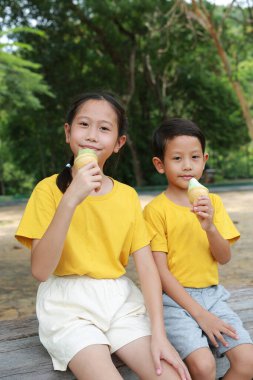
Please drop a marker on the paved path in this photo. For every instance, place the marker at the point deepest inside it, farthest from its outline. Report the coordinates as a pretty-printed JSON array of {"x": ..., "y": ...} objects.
[{"x": 18, "y": 288}]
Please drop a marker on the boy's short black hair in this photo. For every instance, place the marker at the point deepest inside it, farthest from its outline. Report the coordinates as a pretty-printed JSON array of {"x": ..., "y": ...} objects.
[{"x": 172, "y": 128}]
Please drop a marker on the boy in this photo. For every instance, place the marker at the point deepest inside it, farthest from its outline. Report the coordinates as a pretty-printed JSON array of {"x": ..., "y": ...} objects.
[{"x": 189, "y": 243}]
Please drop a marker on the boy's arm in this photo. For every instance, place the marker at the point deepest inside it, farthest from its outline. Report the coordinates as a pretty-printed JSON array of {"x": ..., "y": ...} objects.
[
  {"x": 209, "y": 323},
  {"x": 220, "y": 247}
]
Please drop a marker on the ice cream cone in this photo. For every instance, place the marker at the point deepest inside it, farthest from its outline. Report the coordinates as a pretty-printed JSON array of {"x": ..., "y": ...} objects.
[
  {"x": 195, "y": 190},
  {"x": 84, "y": 157}
]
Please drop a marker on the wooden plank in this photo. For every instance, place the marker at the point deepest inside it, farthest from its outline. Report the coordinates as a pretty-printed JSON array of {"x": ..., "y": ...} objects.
[
  {"x": 241, "y": 302},
  {"x": 22, "y": 357}
]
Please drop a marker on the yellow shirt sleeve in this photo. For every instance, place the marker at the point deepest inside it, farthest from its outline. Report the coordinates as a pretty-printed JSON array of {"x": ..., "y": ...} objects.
[
  {"x": 140, "y": 232},
  {"x": 222, "y": 220},
  {"x": 156, "y": 221},
  {"x": 37, "y": 216}
]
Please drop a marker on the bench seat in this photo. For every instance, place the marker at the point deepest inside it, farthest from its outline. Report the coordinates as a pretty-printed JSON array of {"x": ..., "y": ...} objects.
[{"x": 22, "y": 357}]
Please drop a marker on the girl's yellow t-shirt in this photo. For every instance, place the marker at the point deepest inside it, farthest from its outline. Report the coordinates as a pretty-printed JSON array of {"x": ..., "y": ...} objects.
[
  {"x": 103, "y": 232},
  {"x": 180, "y": 236}
]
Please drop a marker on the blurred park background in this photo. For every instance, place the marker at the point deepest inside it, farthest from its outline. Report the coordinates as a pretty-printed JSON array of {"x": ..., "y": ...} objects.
[{"x": 162, "y": 58}]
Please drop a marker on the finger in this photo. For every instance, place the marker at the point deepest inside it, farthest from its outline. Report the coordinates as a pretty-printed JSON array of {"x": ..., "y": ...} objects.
[
  {"x": 92, "y": 171},
  {"x": 213, "y": 340},
  {"x": 230, "y": 331},
  {"x": 91, "y": 164},
  {"x": 181, "y": 373},
  {"x": 230, "y": 328},
  {"x": 203, "y": 215},
  {"x": 180, "y": 368},
  {"x": 220, "y": 337},
  {"x": 157, "y": 363},
  {"x": 96, "y": 178},
  {"x": 231, "y": 334},
  {"x": 97, "y": 188},
  {"x": 203, "y": 198}
]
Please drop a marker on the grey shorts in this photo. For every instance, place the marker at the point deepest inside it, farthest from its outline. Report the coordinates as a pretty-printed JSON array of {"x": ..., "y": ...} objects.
[{"x": 184, "y": 332}]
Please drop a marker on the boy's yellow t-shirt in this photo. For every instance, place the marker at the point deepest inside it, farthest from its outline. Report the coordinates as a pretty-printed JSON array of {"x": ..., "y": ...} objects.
[
  {"x": 103, "y": 232},
  {"x": 179, "y": 234}
]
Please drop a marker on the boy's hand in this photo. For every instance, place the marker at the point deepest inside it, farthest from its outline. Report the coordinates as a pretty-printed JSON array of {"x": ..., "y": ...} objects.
[
  {"x": 162, "y": 350},
  {"x": 215, "y": 328},
  {"x": 204, "y": 211}
]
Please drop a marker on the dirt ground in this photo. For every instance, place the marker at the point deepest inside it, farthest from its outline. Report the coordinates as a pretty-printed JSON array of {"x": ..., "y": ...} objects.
[{"x": 18, "y": 288}]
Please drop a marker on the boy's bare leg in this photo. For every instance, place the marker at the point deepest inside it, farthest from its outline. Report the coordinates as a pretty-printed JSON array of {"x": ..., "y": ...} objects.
[
  {"x": 201, "y": 364},
  {"x": 94, "y": 363},
  {"x": 241, "y": 363},
  {"x": 137, "y": 356}
]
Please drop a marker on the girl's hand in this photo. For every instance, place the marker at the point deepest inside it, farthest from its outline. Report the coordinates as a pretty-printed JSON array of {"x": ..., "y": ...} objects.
[
  {"x": 161, "y": 349},
  {"x": 85, "y": 180},
  {"x": 204, "y": 210},
  {"x": 215, "y": 328}
]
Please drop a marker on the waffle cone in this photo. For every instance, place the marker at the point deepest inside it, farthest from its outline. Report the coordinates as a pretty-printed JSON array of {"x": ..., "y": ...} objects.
[
  {"x": 196, "y": 192},
  {"x": 83, "y": 159}
]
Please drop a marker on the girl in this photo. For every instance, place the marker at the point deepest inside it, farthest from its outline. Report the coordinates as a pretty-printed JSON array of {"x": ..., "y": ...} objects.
[{"x": 81, "y": 227}]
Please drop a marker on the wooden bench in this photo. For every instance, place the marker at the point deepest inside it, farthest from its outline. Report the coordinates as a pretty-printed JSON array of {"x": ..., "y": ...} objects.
[{"x": 22, "y": 357}]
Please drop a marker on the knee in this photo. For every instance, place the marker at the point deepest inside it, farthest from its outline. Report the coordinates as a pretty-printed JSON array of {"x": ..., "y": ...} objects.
[
  {"x": 243, "y": 364},
  {"x": 203, "y": 368}
]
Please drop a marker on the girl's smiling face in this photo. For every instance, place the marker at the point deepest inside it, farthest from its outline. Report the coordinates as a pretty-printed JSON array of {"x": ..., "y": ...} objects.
[
  {"x": 183, "y": 160},
  {"x": 95, "y": 126}
]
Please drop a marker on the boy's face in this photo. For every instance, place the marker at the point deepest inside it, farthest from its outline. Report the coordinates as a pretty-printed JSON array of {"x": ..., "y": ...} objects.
[{"x": 183, "y": 160}]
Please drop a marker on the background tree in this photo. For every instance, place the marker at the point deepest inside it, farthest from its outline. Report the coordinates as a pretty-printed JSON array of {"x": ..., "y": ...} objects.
[
  {"x": 152, "y": 54},
  {"x": 205, "y": 18},
  {"x": 20, "y": 84}
]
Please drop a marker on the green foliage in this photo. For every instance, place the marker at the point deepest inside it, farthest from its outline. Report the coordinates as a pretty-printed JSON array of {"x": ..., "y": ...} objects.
[
  {"x": 19, "y": 81},
  {"x": 233, "y": 164},
  {"x": 20, "y": 85},
  {"x": 149, "y": 53},
  {"x": 17, "y": 181}
]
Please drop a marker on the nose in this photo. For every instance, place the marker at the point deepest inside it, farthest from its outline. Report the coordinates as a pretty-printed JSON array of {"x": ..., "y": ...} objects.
[
  {"x": 91, "y": 133},
  {"x": 187, "y": 164}
]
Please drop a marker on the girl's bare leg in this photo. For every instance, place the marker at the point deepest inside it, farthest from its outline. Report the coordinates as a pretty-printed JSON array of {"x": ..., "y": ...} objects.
[
  {"x": 137, "y": 356},
  {"x": 94, "y": 363}
]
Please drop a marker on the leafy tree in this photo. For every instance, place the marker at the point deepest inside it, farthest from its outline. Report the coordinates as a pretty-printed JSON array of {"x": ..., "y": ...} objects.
[
  {"x": 20, "y": 84},
  {"x": 160, "y": 62},
  {"x": 205, "y": 17}
]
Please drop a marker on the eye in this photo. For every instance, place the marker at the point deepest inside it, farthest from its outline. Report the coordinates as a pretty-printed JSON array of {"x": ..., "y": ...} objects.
[
  {"x": 104, "y": 128},
  {"x": 176, "y": 158},
  {"x": 195, "y": 157},
  {"x": 84, "y": 124}
]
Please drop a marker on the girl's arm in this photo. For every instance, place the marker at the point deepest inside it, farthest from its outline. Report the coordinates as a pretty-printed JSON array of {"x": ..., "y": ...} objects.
[
  {"x": 209, "y": 323},
  {"x": 152, "y": 292},
  {"x": 220, "y": 247},
  {"x": 46, "y": 252}
]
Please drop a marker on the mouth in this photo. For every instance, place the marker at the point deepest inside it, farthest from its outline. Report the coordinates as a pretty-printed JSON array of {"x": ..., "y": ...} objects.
[
  {"x": 89, "y": 147},
  {"x": 186, "y": 177}
]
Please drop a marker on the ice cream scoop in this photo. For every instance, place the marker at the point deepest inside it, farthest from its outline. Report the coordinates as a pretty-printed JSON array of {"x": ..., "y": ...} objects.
[
  {"x": 195, "y": 190},
  {"x": 84, "y": 157}
]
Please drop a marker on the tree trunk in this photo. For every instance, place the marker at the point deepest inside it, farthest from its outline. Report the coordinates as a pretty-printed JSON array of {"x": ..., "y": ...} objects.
[
  {"x": 119, "y": 62},
  {"x": 204, "y": 18},
  {"x": 126, "y": 100}
]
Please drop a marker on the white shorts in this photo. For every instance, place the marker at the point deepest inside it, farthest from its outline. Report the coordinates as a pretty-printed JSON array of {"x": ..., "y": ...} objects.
[{"x": 75, "y": 312}]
